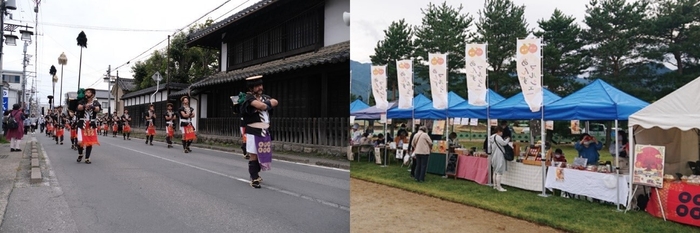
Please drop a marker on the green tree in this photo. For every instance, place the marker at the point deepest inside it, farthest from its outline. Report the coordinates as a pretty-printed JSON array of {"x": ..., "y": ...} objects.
[
  {"x": 187, "y": 64},
  {"x": 673, "y": 30},
  {"x": 501, "y": 23},
  {"x": 397, "y": 45},
  {"x": 614, "y": 36},
  {"x": 444, "y": 29},
  {"x": 563, "y": 60}
]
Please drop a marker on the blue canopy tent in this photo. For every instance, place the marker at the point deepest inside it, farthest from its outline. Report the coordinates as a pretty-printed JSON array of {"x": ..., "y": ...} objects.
[
  {"x": 429, "y": 112},
  {"x": 419, "y": 101},
  {"x": 596, "y": 101},
  {"x": 372, "y": 113},
  {"x": 466, "y": 110},
  {"x": 357, "y": 105},
  {"x": 515, "y": 107}
]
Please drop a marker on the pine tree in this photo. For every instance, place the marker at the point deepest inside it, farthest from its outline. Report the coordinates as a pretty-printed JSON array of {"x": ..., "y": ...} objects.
[
  {"x": 563, "y": 60},
  {"x": 615, "y": 38},
  {"x": 396, "y": 45},
  {"x": 671, "y": 31},
  {"x": 500, "y": 24},
  {"x": 444, "y": 29}
]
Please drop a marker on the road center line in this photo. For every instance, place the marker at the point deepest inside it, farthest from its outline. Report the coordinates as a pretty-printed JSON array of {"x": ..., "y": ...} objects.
[{"x": 287, "y": 192}]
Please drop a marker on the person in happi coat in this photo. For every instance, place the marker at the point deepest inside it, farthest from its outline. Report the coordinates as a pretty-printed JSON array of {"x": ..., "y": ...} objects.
[
  {"x": 186, "y": 115},
  {"x": 86, "y": 112},
  {"x": 150, "y": 124},
  {"x": 256, "y": 116},
  {"x": 126, "y": 122},
  {"x": 170, "y": 118}
]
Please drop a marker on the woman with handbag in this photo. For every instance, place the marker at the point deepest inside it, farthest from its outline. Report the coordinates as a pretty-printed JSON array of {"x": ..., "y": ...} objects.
[
  {"x": 498, "y": 160},
  {"x": 15, "y": 127}
]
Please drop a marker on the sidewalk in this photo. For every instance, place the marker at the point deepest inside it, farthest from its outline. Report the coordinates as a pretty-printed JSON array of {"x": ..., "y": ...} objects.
[
  {"x": 339, "y": 162},
  {"x": 9, "y": 168}
]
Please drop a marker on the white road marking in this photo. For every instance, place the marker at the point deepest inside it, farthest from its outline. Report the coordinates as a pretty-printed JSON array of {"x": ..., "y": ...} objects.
[{"x": 346, "y": 208}]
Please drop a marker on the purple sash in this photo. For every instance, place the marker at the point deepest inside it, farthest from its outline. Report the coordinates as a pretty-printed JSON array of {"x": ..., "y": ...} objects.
[{"x": 263, "y": 147}]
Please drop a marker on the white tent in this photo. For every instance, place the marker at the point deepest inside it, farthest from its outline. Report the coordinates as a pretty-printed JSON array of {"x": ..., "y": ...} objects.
[{"x": 673, "y": 122}]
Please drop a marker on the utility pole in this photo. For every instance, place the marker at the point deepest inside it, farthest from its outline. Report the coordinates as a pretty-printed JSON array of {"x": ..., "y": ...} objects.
[
  {"x": 109, "y": 90},
  {"x": 24, "y": 74},
  {"x": 167, "y": 71},
  {"x": 35, "y": 89}
]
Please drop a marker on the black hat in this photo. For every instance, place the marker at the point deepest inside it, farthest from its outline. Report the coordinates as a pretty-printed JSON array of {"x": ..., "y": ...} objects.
[
  {"x": 254, "y": 81},
  {"x": 91, "y": 89},
  {"x": 59, "y": 106},
  {"x": 183, "y": 97},
  {"x": 169, "y": 104}
]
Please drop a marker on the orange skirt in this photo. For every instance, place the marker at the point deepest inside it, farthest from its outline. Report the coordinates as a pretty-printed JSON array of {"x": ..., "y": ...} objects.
[
  {"x": 189, "y": 133},
  {"x": 87, "y": 137},
  {"x": 127, "y": 129},
  {"x": 151, "y": 130},
  {"x": 73, "y": 133},
  {"x": 114, "y": 128},
  {"x": 245, "y": 139},
  {"x": 170, "y": 131},
  {"x": 49, "y": 127},
  {"x": 59, "y": 132}
]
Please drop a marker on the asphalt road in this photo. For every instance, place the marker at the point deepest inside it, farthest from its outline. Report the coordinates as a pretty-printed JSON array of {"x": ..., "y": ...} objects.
[{"x": 134, "y": 187}]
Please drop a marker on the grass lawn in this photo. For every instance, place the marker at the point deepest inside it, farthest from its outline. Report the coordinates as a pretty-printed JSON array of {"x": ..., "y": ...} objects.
[{"x": 562, "y": 213}]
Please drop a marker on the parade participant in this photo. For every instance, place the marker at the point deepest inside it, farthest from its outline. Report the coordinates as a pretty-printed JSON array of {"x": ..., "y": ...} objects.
[
  {"x": 186, "y": 127},
  {"x": 60, "y": 125},
  {"x": 116, "y": 124},
  {"x": 169, "y": 122},
  {"x": 256, "y": 116},
  {"x": 150, "y": 124},
  {"x": 49, "y": 125},
  {"x": 126, "y": 125},
  {"x": 87, "y": 124},
  {"x": 73, "y": 121}
]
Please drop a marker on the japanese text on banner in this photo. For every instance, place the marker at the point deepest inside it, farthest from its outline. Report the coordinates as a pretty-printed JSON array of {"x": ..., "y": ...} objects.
[
  {"x": 438, "y": 79},
  {"x": 379, "y": 86},
  {"x": 404, "y": 71},
  {"x": 476, "y": 66},
  {"x": 529, "y": 66}
]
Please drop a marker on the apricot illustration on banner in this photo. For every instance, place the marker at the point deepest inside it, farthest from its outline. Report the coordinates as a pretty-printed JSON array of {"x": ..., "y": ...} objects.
[
  {"x": 533, "y": 48},
  {"x": 434, "y": 61},
  {"x": 381, "y": 71},
  {"x": 441, "y": 61},
  {"x": 479, "y": 52},
  {"x": 524, "y": 49},
  {"x": 472, "y": 52},
  {"x": 375, "y": 71}
]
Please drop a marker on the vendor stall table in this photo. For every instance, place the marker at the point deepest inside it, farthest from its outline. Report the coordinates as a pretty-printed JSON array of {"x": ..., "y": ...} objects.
[
  {"x": 680, "y": 201},
  {"x": 528, "y": 177},
  {"x": 437, "y": 163},
  {"x": 591, "y": 184},
  {"x": 473, "y": 168}
]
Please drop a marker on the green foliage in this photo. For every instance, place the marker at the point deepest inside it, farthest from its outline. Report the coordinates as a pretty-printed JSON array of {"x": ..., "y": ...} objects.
[
  {"x": 500, "y": 24},
  {"x": 443, "y": 30},
  {"x": 187, "y": 64},
  {"x": 563, "y": 60},
  {"x": 673, "y": 29},
  {"x": 615, "y": 34},
  {"x": 397, "y": 45}
]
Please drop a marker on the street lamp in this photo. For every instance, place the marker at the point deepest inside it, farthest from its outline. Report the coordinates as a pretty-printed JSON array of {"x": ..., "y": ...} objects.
[
  {"x": 27, "y": 38},
  {"x": 62, "y": 60}
]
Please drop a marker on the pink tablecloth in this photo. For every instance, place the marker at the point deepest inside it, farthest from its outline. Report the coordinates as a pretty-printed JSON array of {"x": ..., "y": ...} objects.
[{"x": 473, "y": 168}]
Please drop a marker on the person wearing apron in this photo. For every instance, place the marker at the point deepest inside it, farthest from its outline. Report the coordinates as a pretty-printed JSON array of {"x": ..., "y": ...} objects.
[
  {"x": 256, "y": 117},
  {"x": 150, "y": 125},
  {"x": 126, "y": 120},
  {"x": 170, "y": 118},
  {"x": 87, "y": 124},
  {"x": 186, "y": 115}
]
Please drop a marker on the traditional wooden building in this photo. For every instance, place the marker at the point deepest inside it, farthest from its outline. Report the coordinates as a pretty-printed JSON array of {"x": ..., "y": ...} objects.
[
  {"x": 302, "y": 49},
  {"x": 122, "y": 86}
]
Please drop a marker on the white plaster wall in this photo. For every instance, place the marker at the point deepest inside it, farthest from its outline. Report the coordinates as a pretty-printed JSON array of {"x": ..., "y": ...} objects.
[
  {"x": 224, "y": 56},
  {"x": 194, "y": 104},
  {"x": 203, "y": 113},
  {"x": 334, "y": 29}
]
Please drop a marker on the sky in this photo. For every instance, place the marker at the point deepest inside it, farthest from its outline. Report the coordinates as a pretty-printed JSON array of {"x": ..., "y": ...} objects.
[
  {"x": 370, "y": 17},
  {"x": 117, "y": 32}
]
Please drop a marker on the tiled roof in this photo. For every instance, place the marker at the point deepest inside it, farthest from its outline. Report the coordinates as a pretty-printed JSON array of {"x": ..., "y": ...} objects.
[
  {"x": 126, "y": 84},
  {"x": 150, "y": 90},
  {"x": 179, "y": 93},
  {"x": 330, "y": 54},
  {"x": 216, "y": 26}
]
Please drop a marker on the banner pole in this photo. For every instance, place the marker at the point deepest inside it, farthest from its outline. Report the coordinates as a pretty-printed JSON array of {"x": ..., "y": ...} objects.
[{"x": 543, "y": 138}]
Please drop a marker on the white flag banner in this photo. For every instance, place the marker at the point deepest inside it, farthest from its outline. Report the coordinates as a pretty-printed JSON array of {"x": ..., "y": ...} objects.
[
  {"x": 438, "y": 79},
  {"x": 404, "y": 71},
  {"x": 379, "y": 86},
  {"x": 529, "y": 65},
  {"x": 476, "y": 65},
  {"x": 474, "y": 122}
]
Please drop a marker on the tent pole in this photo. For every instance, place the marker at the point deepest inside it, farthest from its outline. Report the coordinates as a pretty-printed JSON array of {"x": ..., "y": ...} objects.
[
  {"x": 542, "y": 128},
  {"x": 631, "y": 156},
  {"x": 617, "y": 166}
]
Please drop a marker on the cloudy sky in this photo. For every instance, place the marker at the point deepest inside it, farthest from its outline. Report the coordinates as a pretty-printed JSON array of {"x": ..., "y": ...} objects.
[
  {"x": 117, "y": 32},
  {"x": 371, "y": 17}
]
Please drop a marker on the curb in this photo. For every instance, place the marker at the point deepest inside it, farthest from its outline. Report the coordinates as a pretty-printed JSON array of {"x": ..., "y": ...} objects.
[
  {"x": 36, "y": 171},
  {"x": 279, "y": 157}
]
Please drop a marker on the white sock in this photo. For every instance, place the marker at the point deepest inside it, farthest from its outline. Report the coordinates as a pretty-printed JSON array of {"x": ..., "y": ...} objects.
[
  {"x": 18, "y": 141},
  {"x": 12, "y": 143}
]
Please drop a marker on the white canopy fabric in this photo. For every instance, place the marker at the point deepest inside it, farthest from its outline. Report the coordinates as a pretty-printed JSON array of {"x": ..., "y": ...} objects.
[
  {"x": 679, "y": 109},
  {"x": 673, "y": 122}
]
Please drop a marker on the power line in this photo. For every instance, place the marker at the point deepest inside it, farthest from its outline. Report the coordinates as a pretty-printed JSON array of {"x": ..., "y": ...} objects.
[
  {"x": 98, "y": 27},
  {"x": 183, "y": 28}
]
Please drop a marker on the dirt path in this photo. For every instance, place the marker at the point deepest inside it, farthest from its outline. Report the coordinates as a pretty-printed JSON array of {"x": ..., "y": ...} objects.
[{"x": 379, "y": 208}]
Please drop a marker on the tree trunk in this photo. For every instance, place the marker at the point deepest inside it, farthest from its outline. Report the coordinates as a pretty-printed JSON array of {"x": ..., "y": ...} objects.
[{"x": 679, "y": 62}]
